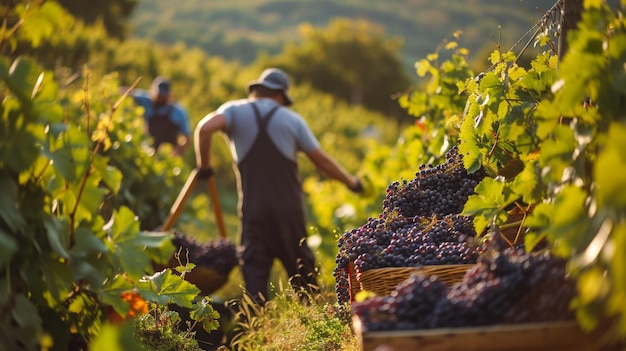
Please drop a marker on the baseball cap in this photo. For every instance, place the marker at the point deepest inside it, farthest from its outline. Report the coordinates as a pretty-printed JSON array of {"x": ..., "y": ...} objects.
[
  {"x": 161, "y": 86},
  {"x": 273, "y": 78}
]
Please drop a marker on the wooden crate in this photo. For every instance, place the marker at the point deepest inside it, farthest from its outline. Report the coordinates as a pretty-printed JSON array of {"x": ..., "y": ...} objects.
[{"x": 552, "y": 336}]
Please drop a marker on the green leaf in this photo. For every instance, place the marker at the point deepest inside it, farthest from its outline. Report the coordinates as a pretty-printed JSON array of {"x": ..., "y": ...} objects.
[
  {"x": 468, "y": 148},
  {"x": 25, "y": 313},
  {"x": 57, "y": 232},
  {"x": 486, "y": 203},
  {"x": 157, "y": 246},
  {"x": 611, "y": 161},
  {"x": 492, "y": 85},
  {"x": 557, "y": 153},
  {"x": 203, "y": 312},
  {"x": 618, "y": 269},
  {"x": 9, "y": 210},
  {"x": 532, "y": 239},
  {"x": 8, "y": 247},
  {"x": 110, "y": 175},
  {"x": 23, "y": 76},
  {"x": 42, "y": 22},
  {"x": 111, "y": 294},
  {"x": 124, "y": 225},
  {"x": 18, "y": 143},
  {"x": 164, "y": 287},
  {"x": 87, "y": 244},
  {"x": 525, "y": 184},
  {"x": 88, "y": 195},
  {"x": 129, "y": 245},
  {"x": 64, "y": 163},
  {"x": 58, "y": 277},
  {"x": 568, "y": 221},
  {"x": 116, "y": 338}
]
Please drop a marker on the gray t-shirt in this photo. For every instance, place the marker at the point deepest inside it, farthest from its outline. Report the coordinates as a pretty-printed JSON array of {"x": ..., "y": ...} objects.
[{"x": 287, "y": 129}]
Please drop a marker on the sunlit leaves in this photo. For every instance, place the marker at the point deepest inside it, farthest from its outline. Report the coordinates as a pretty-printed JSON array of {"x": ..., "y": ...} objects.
[
  {"x": 165, "y": 287},
  {"x": 42, "y": 22},
  {"x": 610, "y": 169},
  {"x": 485, "y": 204},
  {"x": 557, "y": 152},
  {"x": 569, "y": 221},
  {"x": 123, "y": 242},
  {"x": 110, "y": 175}
]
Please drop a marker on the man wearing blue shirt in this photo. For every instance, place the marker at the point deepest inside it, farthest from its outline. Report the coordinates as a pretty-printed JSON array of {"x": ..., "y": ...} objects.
[{"x": 167, "y": 121}]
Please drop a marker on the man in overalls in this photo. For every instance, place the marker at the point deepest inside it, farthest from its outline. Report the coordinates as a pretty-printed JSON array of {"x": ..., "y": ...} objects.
[
  {"x": 166, "y": 121},
  {"x": 265, "y": 136}
]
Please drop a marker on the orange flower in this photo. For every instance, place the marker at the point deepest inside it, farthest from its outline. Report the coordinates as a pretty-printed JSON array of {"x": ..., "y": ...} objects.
[{"x": 137, "y": 304}]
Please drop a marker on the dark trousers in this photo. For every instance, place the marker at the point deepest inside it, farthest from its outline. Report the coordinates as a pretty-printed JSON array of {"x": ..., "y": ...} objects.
[{"x": 282, "y": 240}]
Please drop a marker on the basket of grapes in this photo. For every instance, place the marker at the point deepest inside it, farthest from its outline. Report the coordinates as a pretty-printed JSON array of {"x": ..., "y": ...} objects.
[
  {"x": 443, "y": 247},
  {"x": 420, "y": 230},
  {"x": 213, "y": 261}
]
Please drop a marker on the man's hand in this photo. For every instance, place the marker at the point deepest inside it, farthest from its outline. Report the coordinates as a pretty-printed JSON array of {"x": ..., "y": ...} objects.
[
  {"x": 205, "y": 173},
  {"x": 357, "y": 187}
]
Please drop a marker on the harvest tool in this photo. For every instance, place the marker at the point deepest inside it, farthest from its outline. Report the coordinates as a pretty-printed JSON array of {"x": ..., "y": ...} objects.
[
  {"x": 184, "y": 194},
  {"x": 205, "y": 278}
]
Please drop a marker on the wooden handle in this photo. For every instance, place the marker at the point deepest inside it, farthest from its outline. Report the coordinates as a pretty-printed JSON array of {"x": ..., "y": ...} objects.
[
  {"x": 219, "y": 218},
  {"x": 180, "y": 200}
]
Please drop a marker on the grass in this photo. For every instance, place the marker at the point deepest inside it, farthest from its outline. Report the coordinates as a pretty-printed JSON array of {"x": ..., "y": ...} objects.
[{"x": 285, "y": 322}]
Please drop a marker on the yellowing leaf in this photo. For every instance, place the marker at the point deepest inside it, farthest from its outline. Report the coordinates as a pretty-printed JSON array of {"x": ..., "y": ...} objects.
[
  {"x": 451, "y": 45},
  {"x": 592, "y": 285}
]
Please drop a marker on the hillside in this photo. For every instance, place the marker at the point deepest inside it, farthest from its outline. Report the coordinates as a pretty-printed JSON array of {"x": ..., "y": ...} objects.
[{"x": 240, "y": 30}]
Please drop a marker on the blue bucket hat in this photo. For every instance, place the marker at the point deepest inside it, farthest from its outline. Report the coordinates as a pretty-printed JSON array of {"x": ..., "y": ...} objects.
[{"x": 275, "y": 79}]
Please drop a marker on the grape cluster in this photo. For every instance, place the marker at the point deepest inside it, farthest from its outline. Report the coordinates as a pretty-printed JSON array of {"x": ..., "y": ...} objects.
[
  {"x": 420, "y": 225},
  {"x": 404, "y": 242},
  {"x": 506, "y": 288},
  {"x": 218, "y": 255},
  {"x": 416, "y": 296},
  {"x": 435, "y": 190}
]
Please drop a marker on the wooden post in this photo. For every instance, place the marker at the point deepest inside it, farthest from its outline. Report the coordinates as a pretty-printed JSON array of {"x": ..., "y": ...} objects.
[{"x": 571, "y": 13}]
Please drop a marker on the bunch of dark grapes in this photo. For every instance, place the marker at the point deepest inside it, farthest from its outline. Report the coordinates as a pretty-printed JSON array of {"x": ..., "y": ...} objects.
[
  {"x": 511, "y": 287},
  {"x": 365, "y": 242},
  {"x": 403, "y": 309},
  {"x": 404, "y": 242},
  {"x": 436, "y": 190},
  {"x": 219, "y": 255},
  {"x": 506, "y": 288}
]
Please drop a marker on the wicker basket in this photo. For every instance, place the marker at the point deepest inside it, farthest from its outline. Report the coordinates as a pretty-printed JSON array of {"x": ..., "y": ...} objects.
[{"x": 382, "y": 281}]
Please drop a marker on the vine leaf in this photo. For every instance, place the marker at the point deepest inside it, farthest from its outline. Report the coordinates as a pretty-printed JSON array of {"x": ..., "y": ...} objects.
[
  {"x": 123, "y": 242},
  {"x": 58, "y": 237},
  {"x": 611, "y": 161},
  {"x": 110, "y": 175},
  {"x": 164, "y": 287},
  {"x": 8, "y": 246},
  {"x": 486, "y": 203},
  {"x": 25, "y": 312},
  {"x": 9, "y": 211}
]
